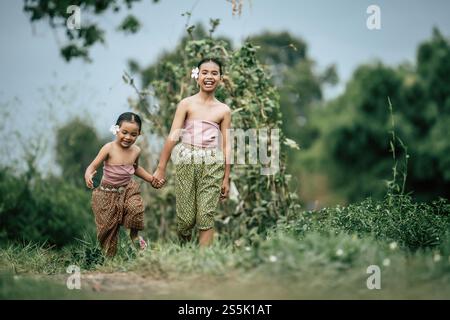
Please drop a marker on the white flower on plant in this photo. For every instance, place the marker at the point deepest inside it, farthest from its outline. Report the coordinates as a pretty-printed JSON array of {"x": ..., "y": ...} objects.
[
  {"x": 393, "y": 245},
  {"x": 339, "y": 252},
  {"x": 273, "y": 258},
  {"x": 194, "y": 73},
  {"x": 437, "y": 257},
  {"x": 247, "y": 248},
  {"x": 114, "y": 129},
  {"x": 386, "y": 262}
]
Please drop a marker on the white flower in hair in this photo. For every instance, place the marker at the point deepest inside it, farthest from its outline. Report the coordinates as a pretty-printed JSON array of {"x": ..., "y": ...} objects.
[
  {"x": 114, "y": 129},
  {"x": 195, "y": 73}
]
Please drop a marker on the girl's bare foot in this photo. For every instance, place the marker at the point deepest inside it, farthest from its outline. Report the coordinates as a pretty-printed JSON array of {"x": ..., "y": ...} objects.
[{"x": 142, "y": 244}]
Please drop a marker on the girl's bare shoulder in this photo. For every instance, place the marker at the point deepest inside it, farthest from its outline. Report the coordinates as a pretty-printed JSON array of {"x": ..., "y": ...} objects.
[
  {"x": 186, "y": 102},
  {"x": 224, "y": 108},
  {"x": 105, "y": 151},
  {"x": 136, "y": 149},
  {"x": 223, "y": 105},
  {"x": 107, "y": 147}
]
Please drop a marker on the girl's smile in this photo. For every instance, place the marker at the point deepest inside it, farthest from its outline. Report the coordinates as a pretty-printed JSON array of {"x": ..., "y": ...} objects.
[
  {"x": 128, "y": 133},
  {"x": 209, "y": 76}
]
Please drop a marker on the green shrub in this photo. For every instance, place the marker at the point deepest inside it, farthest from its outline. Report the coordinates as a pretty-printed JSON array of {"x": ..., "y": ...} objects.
[
  {"x": 42, "y": 210},
  {"x": 396, "y": 218}
]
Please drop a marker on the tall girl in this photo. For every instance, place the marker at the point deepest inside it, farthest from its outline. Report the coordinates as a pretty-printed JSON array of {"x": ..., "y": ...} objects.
[{"x": 201, "y": 159}]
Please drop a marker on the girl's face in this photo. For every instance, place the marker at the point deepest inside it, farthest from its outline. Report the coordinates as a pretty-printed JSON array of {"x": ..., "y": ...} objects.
[
  {"x": 128, "y": 133},
  {"x": 209, "y": 76}
]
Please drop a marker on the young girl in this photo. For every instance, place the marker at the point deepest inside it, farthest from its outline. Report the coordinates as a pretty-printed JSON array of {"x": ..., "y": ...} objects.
[
  {"x": 202, "y": 168},
  {"x": 117, "y": 201}
]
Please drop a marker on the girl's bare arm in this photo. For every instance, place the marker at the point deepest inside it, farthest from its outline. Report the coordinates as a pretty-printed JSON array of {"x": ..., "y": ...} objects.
[
  {"x": 91, "y": 169},
  {"x": 141, "y": 172},
  {"x": 225, "y": 125},
  {"x": 174, "y": 135}
]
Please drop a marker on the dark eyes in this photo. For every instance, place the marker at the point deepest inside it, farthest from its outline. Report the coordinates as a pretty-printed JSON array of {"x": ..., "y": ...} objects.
[{"x": 133, "y": 134}]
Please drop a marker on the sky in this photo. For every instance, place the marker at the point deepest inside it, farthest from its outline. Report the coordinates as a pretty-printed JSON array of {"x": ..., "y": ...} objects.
[{"x": 39, "y": 90}]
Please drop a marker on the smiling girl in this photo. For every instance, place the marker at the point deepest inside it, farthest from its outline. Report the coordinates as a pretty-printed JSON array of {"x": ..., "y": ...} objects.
[
  {"x": 117, "y": 201},
  {"x": 202, "y": 168}
]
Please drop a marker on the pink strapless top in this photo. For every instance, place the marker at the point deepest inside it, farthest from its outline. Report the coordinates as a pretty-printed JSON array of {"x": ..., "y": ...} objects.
[
  {"x": 117, "y": 174},
  {"x": 202, "y": 133}
]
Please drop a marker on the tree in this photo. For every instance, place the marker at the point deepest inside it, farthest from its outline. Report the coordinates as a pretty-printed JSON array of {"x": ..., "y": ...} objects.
[
  {"x": 77, "y": 144},
  {"x": 353, "y": 130},
  {"x": 299, "y": 83},
  {"x": 80, "y": 40},
  {"x": 427, "y": 111}
]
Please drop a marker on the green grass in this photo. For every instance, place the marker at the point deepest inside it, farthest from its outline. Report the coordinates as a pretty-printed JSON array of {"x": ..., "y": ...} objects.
[
  {"x": 321, "y": 254},
  {"x": 319, "y": 266}
]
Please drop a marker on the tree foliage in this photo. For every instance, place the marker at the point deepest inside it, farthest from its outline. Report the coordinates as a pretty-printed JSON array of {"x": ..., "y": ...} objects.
[
  {"x": 43, "y": 210},
  {"x": 353, "y": 142},
  {"x": 79, "y": 41},
  {"x": 298, "y": 81},
  {"x": 77, "y": 144}
]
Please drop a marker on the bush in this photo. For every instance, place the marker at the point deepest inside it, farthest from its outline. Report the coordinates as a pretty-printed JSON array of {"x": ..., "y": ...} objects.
[
  {"x": 42, "y": 210},
  {"x": 396, "y": 218}
]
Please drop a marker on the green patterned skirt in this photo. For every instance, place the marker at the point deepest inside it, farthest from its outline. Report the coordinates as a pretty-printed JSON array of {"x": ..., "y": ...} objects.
[{"x": 198, "y": 179}]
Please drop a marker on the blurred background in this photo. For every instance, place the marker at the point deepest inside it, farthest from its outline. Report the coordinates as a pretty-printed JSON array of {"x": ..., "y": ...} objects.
[{"x": 62, "y": 89}]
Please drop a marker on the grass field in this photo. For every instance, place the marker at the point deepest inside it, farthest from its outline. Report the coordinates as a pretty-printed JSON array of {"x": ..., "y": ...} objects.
[{"x": 314, "y": 256}]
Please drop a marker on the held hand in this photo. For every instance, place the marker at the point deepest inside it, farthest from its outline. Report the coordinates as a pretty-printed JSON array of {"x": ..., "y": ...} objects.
[
  {"x": 153, "y": 182},
  {"x": 159, "y": 178},
  {"x": 88, "y": 179},
  {"x": 225, "y": 190}
]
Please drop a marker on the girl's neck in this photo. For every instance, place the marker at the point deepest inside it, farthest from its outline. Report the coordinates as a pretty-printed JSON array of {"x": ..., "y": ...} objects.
[
  {"x": 117, "y": 143},
  {"x": 206, "y": 96}
]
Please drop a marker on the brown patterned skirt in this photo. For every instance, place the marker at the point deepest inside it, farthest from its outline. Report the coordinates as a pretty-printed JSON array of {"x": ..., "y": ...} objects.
[{"x": 112, "y": 207}]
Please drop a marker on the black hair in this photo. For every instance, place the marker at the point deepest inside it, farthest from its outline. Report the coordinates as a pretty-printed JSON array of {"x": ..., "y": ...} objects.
[
  {"x": 215, "y": 60},
  {"x": 129, "y": 117}
]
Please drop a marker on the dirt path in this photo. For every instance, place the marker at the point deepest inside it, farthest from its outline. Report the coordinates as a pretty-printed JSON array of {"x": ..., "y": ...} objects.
[
  {"x": 121, "y": 285},
  {"x": 132, "y": 285},
  {"x": 124, "y": 281}
]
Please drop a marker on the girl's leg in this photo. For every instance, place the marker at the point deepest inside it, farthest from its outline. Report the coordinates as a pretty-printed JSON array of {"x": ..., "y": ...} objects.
[
  {"x": 208, "y": 193},
  {"x": 133, "y": 234},
  {"x": 137, "y": 240},
  {"x": 206, "y": 237},
  {"x": 185, "y": 187},
  {"x": 184, "y": 238}
]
